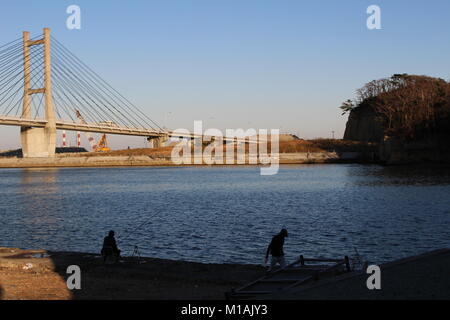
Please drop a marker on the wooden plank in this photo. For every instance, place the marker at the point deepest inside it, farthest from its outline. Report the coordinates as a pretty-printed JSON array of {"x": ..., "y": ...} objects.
[
  {"x": 322, "y": 260},
  {"x": 252, "y": 292},
  {"x": 255, "y": 292},
  {"x": 299, "y": 283},
  {"x": 280, "y": 280},
  {"x": 333, "y": 267},
  {"x": 316, "y": 276}
]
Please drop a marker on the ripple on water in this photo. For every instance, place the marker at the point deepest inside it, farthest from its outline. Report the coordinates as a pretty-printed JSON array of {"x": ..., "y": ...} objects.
[{"x": 225, "y": 214}]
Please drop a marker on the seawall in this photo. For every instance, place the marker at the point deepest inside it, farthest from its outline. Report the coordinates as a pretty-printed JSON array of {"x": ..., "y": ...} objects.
[{"x": 144, "y": 160}]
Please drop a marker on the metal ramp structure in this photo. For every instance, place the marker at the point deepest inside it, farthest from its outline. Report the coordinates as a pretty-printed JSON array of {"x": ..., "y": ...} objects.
[{"x": 301, "y": 272}]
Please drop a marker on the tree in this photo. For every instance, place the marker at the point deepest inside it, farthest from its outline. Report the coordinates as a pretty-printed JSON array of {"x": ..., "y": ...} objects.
[
  {"x": 405, "y": 105},
  {"x": 347, "y": 106}
]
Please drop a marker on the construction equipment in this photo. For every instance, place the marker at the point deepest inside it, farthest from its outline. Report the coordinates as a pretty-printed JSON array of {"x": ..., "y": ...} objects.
[{"x": 102, "y": 146}]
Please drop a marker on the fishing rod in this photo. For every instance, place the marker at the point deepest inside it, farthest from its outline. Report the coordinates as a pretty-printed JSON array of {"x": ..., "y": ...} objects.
[{"x": 128, "y": 234}]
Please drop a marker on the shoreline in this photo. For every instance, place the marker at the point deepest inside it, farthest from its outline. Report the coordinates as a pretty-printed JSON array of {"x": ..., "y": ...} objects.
[
  {"x": 81, "y": 161},
  {"x": 42, "y": 275}
]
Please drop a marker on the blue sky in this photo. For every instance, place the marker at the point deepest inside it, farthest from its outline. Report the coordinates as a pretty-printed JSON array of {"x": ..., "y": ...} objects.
[{"x": 261, "y": 64}]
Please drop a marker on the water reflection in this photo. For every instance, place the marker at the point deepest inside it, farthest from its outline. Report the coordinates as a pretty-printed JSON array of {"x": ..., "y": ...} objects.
[
  {"x": 413, "y": 175},
  {"x": 39, "y": 203},
  {"x": 39, "y": 181}
]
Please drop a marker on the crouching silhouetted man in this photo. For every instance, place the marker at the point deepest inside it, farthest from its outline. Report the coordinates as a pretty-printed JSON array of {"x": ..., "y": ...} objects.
[
  {"x": 276, "y": 250},
  {"x": 110, "y": 252}
]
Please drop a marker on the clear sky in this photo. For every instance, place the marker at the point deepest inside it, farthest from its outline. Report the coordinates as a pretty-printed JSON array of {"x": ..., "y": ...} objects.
[{"x": 261, "y": 64}]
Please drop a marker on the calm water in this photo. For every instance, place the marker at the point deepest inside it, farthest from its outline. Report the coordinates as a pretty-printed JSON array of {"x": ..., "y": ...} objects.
[{"x": 226, "y": 214}]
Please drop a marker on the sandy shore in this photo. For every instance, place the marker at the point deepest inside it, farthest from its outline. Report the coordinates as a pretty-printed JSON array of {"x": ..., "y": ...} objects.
[{"x": 39, "y": 274}]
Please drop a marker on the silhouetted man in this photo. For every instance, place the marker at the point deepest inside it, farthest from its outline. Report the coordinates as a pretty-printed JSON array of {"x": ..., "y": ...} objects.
[
  {"x": 276, "y": 250},
  {"x": 110, "y": 247}
]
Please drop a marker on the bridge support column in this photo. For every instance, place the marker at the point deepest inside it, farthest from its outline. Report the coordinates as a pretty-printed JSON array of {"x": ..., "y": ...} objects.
[
  {"x": 35, "y": 143},
  {"x": 158, "y": 141},
  {"x": 38, "y": 142}
]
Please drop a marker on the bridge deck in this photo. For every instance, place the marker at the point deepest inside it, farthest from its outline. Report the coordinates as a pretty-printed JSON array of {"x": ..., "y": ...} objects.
[{"x": 72, "y": 126}]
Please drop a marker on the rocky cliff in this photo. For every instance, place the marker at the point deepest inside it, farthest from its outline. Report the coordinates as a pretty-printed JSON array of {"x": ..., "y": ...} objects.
[
  {"x": 363, "y": 126},
  {"x": 408, "y": 115}
]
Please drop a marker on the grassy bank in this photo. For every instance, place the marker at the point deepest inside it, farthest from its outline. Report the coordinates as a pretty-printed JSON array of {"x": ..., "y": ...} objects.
[{"x": 294, "y": 146}]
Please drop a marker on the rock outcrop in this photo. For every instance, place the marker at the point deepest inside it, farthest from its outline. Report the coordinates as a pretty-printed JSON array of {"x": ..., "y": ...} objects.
[
  {"x": 408, "y": 115},
  {"x": 363, "y": 126}
]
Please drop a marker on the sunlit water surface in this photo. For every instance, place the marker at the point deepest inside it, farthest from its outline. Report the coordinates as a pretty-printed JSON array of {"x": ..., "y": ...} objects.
[{"x": 228, "y": 214}]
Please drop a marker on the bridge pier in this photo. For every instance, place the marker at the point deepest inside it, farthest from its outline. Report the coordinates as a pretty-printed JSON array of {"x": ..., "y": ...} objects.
[
  {"x": 38, "y": 142},
  {"x": 158, "y": 141}
]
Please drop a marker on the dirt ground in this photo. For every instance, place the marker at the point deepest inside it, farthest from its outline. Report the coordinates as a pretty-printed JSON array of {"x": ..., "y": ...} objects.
[
  {"x": 422, "y": 277},
  {"x": 41, "y": 275}
]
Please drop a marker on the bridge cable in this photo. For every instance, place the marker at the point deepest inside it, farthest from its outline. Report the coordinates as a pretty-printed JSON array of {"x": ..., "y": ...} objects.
[
  {"x": 15, "y": 84},
  {"x": 77, "y": 85},
  {"x": 86, "y": 90},
  {"x": 69, "y": 86},
  {"x": 33, "y": 83},
  {"x": 94, "y": 91},
  {"x": 87, "y": 70},
  {"x": 105, "y": 84}
]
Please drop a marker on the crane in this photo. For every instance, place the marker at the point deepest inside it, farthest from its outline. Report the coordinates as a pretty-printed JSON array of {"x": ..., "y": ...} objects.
[{"x": 102, "y": 146}]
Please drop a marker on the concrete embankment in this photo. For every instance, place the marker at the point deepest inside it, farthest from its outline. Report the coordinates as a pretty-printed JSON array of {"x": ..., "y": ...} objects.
[{"x": 145, "y": 160}]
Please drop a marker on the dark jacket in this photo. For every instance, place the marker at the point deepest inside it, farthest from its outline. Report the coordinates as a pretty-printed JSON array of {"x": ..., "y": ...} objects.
[
  {"x": 276, "y": 246},
  {"x": 110, "y": 243}
]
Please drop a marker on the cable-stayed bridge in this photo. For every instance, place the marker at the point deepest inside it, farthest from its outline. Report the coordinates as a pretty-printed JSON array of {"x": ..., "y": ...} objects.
[{"x": 44, "y": 86}]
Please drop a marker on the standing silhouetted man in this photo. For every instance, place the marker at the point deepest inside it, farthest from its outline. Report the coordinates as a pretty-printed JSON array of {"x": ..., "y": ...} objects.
[{"x": 276, "y": 250}]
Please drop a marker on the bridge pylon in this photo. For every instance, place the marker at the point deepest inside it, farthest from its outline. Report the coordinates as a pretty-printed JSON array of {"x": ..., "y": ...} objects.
[{"x": 38, "y": 142}]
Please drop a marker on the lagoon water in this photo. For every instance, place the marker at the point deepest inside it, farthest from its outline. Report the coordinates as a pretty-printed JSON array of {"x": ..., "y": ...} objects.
[{"x": 228, "y": 214}]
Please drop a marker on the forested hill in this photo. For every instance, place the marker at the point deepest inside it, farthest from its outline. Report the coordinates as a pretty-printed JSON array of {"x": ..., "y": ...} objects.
[{"x": 408, "y": 114}]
